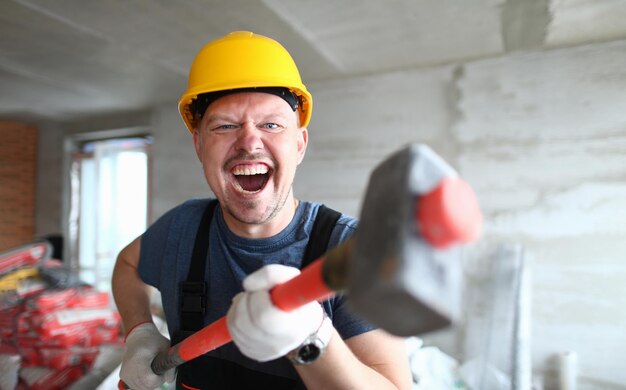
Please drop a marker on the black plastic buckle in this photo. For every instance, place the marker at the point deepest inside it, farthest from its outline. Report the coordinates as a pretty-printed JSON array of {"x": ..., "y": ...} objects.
[{"x": 193, "y": 297}]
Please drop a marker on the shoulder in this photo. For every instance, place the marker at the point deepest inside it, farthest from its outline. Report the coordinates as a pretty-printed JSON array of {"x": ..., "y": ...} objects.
[
  {"x": 174, "y": 231},
  {"x": 186, "y": 215},
  {"x": 191, "y": 207},
  {"x": 187, "y": 209},
  {"x": 345, "y": 226}
]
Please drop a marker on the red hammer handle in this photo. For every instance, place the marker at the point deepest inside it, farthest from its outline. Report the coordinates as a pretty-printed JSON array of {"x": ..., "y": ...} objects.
[{"x": 306, "y": 287}]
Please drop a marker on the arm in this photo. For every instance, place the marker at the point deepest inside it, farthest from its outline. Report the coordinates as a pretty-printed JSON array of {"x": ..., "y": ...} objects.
[
  {"x": 263, "y": 332},
  {"x": 143, "y": 339},
  {"x": 131, "y": 294},
  {"x": 372, "y": 360}
]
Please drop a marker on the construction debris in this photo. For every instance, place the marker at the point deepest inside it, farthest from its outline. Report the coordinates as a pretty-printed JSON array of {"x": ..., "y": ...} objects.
[{"x": 52, "y": 327}]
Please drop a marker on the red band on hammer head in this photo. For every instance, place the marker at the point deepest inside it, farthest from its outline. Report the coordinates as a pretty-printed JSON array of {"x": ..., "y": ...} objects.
[{"x": 449, "y": 214}]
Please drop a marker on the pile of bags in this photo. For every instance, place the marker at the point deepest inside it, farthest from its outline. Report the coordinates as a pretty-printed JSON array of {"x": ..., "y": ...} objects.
[{"x": 52, "y": 326}]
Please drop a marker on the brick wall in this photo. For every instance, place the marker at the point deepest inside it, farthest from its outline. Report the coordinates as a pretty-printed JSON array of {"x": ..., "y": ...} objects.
[{"x": 18, "y": 159}]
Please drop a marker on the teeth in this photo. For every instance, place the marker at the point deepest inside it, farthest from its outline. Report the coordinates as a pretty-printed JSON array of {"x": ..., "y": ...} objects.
[{"x": 248, "y": 170}]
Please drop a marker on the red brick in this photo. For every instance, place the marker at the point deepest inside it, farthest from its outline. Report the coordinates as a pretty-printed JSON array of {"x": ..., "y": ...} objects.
[{"x": 18, "y": 164}]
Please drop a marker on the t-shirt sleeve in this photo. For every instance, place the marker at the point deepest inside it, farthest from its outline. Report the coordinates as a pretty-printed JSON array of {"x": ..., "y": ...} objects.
[
  {"x": 347, "y": 323},
  {"x": 167, "y": 242},
  {"x": 153, "y": 249}
]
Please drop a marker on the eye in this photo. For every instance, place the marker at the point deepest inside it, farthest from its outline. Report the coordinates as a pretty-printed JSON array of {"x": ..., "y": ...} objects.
[
  {"x": 223, "y": 128},
  {"x": 273, "y": 127}
]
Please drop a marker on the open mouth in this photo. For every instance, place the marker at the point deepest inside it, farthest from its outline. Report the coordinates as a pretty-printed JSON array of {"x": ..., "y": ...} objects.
[{"x": 251, "y": 178}]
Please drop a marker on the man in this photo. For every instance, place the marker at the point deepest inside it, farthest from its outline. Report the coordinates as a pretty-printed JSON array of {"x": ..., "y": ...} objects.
[{"x": 248, "y": 110}]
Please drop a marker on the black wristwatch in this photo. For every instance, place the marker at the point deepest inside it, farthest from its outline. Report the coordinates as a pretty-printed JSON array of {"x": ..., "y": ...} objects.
[{"x": 313, "y": 346}]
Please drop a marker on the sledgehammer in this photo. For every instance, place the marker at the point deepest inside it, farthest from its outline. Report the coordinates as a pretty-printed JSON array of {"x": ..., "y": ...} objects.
[{"x": 401, "y": 268}]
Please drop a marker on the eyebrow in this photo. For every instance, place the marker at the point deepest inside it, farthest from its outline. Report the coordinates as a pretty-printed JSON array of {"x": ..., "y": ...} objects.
[
  {"x": 218, "y": 117},
  {"x": 227, "y": 118}
]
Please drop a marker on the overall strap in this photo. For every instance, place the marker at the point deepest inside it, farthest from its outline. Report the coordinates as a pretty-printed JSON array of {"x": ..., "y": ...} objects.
[
  {"x": 193, "y": 290},
  {"x": 208, "y": 372},
  {"x": 325, "y": 222}
]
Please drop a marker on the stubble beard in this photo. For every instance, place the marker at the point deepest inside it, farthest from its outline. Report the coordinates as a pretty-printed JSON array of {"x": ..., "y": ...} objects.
[{"x": 272, "y": 209}]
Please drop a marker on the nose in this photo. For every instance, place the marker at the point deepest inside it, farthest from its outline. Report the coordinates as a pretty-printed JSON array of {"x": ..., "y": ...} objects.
[{"x": 249, "y": 138}]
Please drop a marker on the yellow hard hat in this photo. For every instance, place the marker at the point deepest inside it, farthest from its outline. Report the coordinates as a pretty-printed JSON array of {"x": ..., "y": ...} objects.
[{"x": 243, "y": 60}]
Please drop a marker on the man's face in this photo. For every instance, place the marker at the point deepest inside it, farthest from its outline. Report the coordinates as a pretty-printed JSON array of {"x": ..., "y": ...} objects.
[{"x": 250, "y": 144}]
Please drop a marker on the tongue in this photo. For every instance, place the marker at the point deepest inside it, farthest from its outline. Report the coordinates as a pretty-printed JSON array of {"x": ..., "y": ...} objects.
[{"x": 252, "y": 183}]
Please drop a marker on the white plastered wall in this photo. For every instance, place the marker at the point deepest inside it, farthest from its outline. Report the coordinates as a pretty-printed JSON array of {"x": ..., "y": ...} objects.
[{"x": 542, "y": 139}]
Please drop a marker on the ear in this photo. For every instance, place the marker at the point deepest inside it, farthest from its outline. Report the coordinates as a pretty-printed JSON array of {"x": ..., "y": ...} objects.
[
  {"x": 303, "y": 140},
  {"x": 197, "y": 143}
]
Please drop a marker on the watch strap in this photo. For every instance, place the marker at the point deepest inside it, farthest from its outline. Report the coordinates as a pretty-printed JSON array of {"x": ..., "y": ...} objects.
[{"x": 314, "y": 345}]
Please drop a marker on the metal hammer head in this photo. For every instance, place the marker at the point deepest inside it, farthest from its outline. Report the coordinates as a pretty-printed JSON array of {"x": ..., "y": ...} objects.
[{"x": 405, "y": 271}]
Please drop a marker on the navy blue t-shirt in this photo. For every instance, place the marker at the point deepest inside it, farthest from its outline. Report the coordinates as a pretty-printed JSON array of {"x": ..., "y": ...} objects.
[{"x": 167, "y": 246}]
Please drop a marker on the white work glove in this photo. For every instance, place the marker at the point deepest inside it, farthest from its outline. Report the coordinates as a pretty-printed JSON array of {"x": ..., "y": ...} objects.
[
  {"x": 259, "y": 329},
  {"x": 143, "y": 343}
]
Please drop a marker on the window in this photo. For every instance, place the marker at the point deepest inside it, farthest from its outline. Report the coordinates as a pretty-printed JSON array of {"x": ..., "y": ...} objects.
[{"x": 109, "y": 203}]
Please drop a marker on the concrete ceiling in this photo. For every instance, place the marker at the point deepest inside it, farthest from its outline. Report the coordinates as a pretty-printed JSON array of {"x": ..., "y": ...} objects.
[{"x": 65, "y": 59}]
